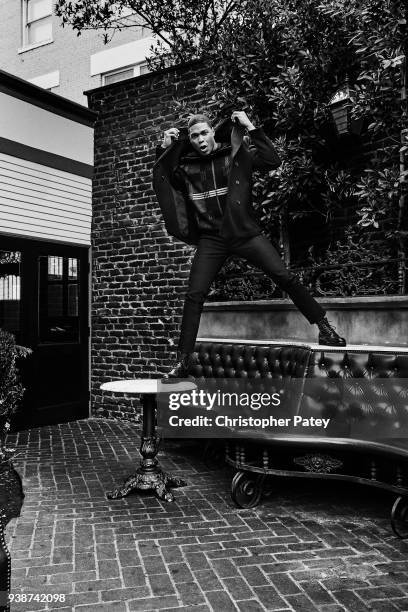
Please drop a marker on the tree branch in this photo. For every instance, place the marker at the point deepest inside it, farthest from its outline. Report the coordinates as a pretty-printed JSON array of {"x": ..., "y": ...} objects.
[
  {"x": 204, "y": 24},
  {"x": 148, "y": 24},
  {"x": 229, "y": 8},
  {"x": 227, "y": 11}
]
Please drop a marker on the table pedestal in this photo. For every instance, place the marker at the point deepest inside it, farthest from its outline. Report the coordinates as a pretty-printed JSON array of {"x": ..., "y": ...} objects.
[{"x": 149, "y": 476}]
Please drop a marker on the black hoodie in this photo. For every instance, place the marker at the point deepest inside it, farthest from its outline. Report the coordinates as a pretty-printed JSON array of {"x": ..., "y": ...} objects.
[
  {"x": 206, "y": 185},
  {"x": 237, "y": 221}
]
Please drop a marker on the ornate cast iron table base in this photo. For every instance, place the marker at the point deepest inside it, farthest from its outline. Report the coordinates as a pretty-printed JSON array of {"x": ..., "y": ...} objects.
[
  {"x": 149, "y": 476},
  {"x": 159, "y": 482}
]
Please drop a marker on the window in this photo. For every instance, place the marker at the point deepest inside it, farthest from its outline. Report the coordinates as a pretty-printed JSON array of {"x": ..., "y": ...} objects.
[
  {"x": 37, "y": 22},
  {"x": 124, "y": 73},
  {"x": 59, "y": 299},
  {"x": 10, "y": 291},
  {"x": 122, "y": 62}
]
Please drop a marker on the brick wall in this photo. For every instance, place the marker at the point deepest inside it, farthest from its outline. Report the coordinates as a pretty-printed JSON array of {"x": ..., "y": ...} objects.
[{"x": 139, "y": 272}]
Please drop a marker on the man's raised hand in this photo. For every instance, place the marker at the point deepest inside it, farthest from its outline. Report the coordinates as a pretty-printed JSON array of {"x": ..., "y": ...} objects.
[
  {"x": 242, "y": 118},
  {"x": 169, "y": 136}
]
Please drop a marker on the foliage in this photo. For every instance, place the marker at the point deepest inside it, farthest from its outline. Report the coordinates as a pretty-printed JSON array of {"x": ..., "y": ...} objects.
[
  {"x": 377, "y": 33},
  {"x": 185, "y": 29},
  {"x": 282, "y": 61},
  {"x": 358, "y": 264},
  {"x": 11, "y": 389},
  {"x": 282, "y": 66},
  {"x": 378, "y": 191},
  {"x": 240, "y": 282}
]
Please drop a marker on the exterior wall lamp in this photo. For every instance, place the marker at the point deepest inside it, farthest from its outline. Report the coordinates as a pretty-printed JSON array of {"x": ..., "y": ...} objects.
[{"x": 340, "y": 105}]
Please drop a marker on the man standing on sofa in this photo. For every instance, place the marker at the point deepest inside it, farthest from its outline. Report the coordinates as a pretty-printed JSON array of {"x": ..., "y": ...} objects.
[{"x": 204, "y": 188}]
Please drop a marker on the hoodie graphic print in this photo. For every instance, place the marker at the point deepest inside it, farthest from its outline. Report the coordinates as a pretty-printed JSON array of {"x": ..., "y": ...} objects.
[{"x": 206, "y": 179}]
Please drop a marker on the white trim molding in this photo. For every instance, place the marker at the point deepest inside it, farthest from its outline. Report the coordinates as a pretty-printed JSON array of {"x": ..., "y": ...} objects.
[
  {"x": 121, "y": 56},
  {"x": 36, "y": 127},
  {"x": 34, "y": 46},
  {"x": 47, "y": 81}
]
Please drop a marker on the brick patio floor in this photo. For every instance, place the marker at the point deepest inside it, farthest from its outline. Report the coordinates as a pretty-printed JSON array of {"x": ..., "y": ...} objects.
[{"x": 308, "y": 546}]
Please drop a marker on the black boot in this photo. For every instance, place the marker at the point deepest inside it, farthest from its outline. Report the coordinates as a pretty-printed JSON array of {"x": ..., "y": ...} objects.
[
  {"x": 182, "y": 366},
  {"x": 328, "y": 335}
]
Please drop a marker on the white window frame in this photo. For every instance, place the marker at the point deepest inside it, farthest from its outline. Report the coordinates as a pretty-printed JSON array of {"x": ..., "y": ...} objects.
[
  {"x": 121, "y": 56},
  {"x": 25, "y": 23},
  {"x": 136, "y": 72}
]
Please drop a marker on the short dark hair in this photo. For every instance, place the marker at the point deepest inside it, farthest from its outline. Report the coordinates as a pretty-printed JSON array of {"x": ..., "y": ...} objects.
[{"x": 199, "y": 118}]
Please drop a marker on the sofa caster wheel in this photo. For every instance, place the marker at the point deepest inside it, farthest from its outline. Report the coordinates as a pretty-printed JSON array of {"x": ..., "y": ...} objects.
[
  {"x": 246, "y": 489},
  {"x": 399, "y": 517}
]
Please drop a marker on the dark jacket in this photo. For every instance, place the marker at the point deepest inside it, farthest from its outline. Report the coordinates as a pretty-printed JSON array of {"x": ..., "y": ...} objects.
[{"x": 238, "y": 220}]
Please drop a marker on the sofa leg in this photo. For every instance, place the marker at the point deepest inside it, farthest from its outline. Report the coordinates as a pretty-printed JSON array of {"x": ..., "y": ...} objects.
[
  {"x": 246, "y": 489},
  {"x": 399, "y": 517}
]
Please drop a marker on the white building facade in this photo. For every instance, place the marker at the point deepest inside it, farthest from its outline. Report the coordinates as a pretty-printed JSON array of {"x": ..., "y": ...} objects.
[
  {"x": 46, "y": 163},
  {"x": 35, "y": 47}
]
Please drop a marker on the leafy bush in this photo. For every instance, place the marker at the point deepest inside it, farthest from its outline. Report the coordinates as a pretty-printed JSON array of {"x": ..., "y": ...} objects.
[
  {"x": 357, "y": 264},
  {"x": 11, "y": 389},
  {"x": 282, "y": 65}
]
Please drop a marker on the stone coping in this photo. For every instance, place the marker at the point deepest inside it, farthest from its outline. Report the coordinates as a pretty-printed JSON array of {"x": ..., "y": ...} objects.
[
  {"x": 389, "y": 302},
  {"x": 353, "y": 348}
]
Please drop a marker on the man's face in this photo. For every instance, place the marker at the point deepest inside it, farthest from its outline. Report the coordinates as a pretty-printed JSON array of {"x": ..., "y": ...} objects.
[{"x": 201, "y": 136}]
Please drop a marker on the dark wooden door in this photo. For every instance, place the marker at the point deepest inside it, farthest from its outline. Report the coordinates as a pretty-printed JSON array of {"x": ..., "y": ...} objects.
[{"x": 47, "y": 309}]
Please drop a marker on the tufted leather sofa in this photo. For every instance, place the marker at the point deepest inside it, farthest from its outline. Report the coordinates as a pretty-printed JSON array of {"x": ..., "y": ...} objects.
[
  {"x": 219, "y": 359},
  {"x": 362, "y": 390},
  {"x": 365, "y": 387}
]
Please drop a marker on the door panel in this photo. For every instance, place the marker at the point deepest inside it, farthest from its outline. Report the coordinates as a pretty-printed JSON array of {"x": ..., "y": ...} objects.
[{"x": 59, "y": 284}]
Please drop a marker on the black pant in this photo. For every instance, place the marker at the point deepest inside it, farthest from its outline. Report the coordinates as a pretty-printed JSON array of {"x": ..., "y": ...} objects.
[{"x": 212, "y": 251}]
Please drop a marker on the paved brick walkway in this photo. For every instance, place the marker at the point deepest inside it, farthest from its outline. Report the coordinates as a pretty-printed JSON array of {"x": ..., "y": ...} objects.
[{"x": 309, "y": 546}]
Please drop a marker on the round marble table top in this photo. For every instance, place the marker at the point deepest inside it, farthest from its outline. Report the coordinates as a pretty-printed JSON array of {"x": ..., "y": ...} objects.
[{"x": 149, "y": 385}]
